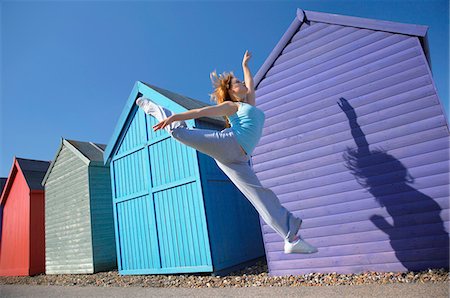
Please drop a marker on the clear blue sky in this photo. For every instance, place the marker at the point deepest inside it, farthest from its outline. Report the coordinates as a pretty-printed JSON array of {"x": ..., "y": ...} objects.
[{"x": 68, "y": 67}]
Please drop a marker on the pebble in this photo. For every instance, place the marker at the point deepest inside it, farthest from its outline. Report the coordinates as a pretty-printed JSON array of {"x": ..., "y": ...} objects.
[{"x": 253, "y": 276}]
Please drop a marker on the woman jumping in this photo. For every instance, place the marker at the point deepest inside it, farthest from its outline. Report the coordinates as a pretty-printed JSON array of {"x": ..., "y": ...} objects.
[{"x": 231, "y": 147}]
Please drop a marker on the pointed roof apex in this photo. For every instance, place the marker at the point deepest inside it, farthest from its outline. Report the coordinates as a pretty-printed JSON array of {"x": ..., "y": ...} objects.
[
  {"x": 88, "y": 152},
  {"x": 177, "y": 103},
  {"x": 32, "y": 170},
  {"x": 307, "y": 16},
  {"x": 374, "y": 24}
]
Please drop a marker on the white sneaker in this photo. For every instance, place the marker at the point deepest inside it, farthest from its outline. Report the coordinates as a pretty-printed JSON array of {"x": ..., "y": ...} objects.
[
  {"x": 300, "y": 246},
  {"x": 159, "y": 112},
  {"x": 148, "y": 106}
]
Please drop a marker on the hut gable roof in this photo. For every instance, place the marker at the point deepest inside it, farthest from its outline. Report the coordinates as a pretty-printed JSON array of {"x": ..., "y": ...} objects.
[
  {"x": 92, "y": 151},
  {"x": 305, "y": 16},
  {"x": 88, "y": 152},
  {"x": 32, "y": 170},
  {"x": 181, "y": 103},
  {"x": 187, "y": 102}
]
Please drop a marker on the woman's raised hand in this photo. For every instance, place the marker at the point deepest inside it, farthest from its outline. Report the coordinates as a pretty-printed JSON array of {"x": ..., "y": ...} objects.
[
  {"x": 247, "y": 57},
  {"x": 163, "y": 123}
]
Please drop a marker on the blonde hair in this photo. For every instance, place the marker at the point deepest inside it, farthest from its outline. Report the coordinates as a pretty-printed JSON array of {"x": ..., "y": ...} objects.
[{"x": 221, "y": 84}]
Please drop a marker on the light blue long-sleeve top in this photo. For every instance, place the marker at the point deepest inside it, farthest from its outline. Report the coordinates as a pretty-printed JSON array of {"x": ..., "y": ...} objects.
[{"x": 247, "y": 124}]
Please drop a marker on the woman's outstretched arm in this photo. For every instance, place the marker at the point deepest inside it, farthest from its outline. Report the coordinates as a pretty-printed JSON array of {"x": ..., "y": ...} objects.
[
  {"x": 248, "y": 79},
  {"x": 224, "y": 109}
]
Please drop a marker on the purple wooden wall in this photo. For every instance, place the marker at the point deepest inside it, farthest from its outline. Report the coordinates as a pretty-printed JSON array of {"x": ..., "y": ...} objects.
[{"x": 356, "y": 143}]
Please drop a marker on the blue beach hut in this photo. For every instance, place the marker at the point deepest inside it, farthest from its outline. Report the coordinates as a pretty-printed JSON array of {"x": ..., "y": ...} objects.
[
  {"x": 356, "y": 144},
  {"x": 175, "y": 211}
]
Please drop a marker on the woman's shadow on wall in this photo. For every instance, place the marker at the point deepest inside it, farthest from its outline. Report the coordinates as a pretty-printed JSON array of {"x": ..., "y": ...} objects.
[{"x": 417, "y": 235}]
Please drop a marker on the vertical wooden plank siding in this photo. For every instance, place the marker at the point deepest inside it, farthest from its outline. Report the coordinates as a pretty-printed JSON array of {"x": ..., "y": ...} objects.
[
  {"x": 37, "y": 232},
  {"x": 103, "y": 240},
  {"x": 15, "y": 242}
]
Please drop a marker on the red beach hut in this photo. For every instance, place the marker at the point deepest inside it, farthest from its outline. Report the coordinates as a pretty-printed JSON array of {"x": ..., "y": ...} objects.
[{"x": 22, "y": 242}]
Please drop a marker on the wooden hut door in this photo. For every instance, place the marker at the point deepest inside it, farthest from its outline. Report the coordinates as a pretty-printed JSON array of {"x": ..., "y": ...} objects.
[
  {"x": 179, "y": 212},
  {"x": 136, "y": 235}
]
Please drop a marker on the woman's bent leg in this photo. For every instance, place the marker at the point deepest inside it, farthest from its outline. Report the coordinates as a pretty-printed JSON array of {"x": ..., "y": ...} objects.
[
  {"x": 219, "y": 145},
  {"x": 263, "y": 199},
  {"x": 159, "y": 112}
]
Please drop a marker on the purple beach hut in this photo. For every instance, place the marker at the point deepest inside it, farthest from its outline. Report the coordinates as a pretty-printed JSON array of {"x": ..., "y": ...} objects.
[{"x": 356, "y": 144}]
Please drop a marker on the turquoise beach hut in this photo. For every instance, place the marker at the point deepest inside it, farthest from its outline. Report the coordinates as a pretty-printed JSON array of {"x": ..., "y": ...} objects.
[{"x": 175, "y": 211}]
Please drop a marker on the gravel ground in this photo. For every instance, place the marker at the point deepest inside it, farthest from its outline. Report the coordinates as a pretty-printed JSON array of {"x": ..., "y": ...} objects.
[{"x": 253, "y": 276}]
